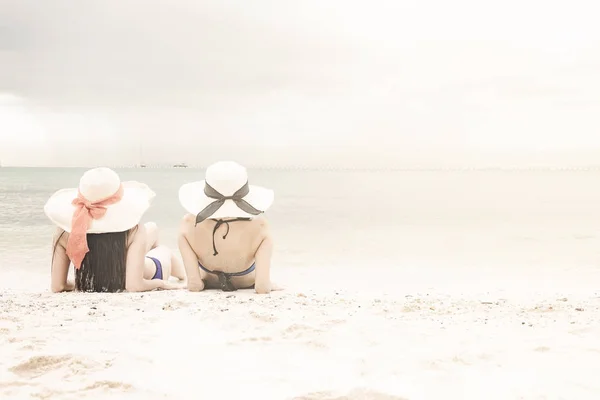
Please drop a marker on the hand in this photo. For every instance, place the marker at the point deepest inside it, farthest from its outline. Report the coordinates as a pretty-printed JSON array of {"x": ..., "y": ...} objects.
[{"x": 195, "y": 287}]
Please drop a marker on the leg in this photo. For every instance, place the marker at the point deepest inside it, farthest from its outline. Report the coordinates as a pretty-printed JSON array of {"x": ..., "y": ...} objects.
[
  {"x": 162, "y": 254},
  {"x": 151, "y": 235}
]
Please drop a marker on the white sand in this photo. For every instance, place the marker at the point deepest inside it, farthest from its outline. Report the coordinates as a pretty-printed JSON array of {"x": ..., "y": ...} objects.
[{"x": 452, "y": 335}]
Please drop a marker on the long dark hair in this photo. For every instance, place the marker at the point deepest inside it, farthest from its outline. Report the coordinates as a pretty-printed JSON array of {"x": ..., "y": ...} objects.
[{"x": 104, "y": 266}]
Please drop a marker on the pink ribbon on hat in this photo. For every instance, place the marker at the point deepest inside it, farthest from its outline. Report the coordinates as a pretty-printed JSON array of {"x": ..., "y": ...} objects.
[{"x": 85, "y": 212}]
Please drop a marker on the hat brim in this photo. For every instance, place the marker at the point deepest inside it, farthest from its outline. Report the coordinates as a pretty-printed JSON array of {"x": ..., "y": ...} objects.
[
  {"x": 119, "y": 217},
  {"x": 193, "y": 200}
]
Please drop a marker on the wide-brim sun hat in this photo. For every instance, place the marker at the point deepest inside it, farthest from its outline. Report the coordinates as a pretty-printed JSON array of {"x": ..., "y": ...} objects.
[
  {"x": 225, "y": 193},
  {"x": 95, "y": 185}
]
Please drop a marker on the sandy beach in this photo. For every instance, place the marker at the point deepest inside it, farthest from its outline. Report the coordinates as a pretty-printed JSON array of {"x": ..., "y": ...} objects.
[
  {"x": 476, "y": 285},
  {"x": 458, "y": 335}
]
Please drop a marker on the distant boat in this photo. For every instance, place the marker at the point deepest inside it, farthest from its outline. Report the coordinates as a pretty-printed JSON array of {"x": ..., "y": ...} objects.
[
  {"x": 142, "y": 164},
  {"x": 180, "y": 165}
]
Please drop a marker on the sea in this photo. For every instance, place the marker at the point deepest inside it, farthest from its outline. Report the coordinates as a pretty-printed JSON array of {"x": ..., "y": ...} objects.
[{"x": 360, "y": 221}]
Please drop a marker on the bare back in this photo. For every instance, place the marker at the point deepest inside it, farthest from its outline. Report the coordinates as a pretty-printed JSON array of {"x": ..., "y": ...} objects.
[{"x": 238, "y": 244}]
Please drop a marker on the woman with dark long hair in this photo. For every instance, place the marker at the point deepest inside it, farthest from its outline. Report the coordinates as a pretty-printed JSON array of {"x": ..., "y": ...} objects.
[{"x": 98, "y": 231}]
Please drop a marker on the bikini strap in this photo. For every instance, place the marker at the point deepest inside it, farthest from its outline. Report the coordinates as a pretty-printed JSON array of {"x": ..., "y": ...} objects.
[{"x": 224, "y": 222}]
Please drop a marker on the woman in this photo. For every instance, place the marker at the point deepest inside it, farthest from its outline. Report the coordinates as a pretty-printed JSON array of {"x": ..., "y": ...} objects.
[
  {"x": 223, "y": 241},
  {"x": 99, "y": 232}
]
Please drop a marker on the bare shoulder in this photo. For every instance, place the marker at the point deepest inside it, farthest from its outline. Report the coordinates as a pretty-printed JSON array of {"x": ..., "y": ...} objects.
[
  {"x": 188, "y": 223},
  {"x": 188, "y": 219},
  {"x": 262, "y": 227},
  {"x": 60, "y": 237},
  {"x": 262, "y": 222},
  {"x": 136, "y": 234}
]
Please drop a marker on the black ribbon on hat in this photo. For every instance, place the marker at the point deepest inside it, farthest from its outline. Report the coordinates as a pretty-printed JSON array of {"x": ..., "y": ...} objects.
[{"x": 237, "y": 197}]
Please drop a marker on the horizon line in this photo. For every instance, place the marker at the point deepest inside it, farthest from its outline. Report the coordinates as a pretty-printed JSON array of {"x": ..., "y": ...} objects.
[{"x": 549, "y": 168}]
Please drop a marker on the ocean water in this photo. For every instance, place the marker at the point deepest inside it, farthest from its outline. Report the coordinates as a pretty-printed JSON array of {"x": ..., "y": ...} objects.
[{"x": 397, "y": 219}]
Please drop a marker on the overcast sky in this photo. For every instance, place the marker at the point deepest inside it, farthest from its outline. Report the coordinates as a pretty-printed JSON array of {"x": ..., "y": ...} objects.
[{"x": 88, "y": 81}]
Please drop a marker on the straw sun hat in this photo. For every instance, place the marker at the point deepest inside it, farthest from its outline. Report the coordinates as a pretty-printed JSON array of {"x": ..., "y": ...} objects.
[{"x": 224, "y": 193}]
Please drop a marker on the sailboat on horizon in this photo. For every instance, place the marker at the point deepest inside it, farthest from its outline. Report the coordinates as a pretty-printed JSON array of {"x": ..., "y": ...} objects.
[{"x": 141, "y": 158}]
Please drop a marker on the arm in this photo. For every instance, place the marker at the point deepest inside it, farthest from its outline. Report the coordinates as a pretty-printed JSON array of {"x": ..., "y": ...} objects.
[
  {"x": 60, "y": 265},
  {"x": 190, "y": 259},
  {"x": 262, "y": 258},
  {"x": 134, "y": 278}
]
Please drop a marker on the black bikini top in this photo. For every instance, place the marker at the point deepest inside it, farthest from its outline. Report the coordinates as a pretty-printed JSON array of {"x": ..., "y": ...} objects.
[
  {"x": 224, "y": 222},
  {"x": 219, "y": 200}
]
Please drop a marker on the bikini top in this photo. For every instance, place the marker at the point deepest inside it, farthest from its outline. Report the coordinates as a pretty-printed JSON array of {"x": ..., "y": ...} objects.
[
  {"x": 225, "y": 278},
  {"x": 218, "y": 225}
]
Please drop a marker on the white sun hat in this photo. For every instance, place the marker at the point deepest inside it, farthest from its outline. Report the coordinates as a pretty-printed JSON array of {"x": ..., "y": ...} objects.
[
  {"x": 95, "y": 186},
  {"x": 225, "y": 193}
]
